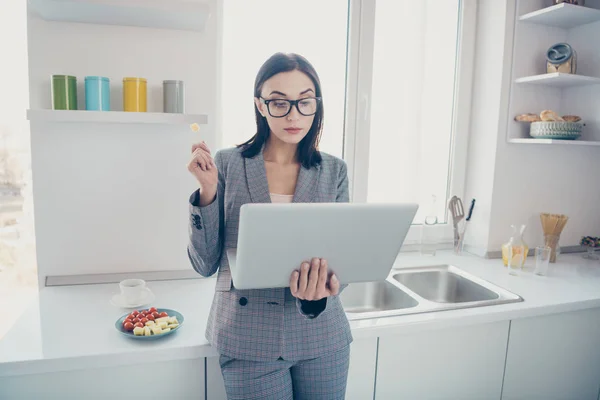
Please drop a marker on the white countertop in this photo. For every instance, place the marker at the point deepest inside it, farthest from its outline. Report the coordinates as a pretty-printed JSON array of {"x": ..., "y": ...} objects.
[{"x": 72, "y": 327}]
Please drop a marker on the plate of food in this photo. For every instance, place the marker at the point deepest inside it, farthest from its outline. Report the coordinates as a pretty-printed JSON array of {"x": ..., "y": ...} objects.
[{"x": 148, "y": 324}]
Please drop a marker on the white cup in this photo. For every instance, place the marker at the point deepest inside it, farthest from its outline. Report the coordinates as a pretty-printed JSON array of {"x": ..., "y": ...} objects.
[{"x": 132, "y": 290}]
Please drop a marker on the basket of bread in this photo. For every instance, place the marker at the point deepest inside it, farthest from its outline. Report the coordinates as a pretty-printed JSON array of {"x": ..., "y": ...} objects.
[{"x": 549, "y": 125}]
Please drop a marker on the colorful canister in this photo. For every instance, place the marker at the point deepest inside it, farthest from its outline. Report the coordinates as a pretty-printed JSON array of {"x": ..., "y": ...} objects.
[
  {"x": 173, "y": 96},
  {"x": 134, "y": 94},
  {"x": 97, "y": 93},
  {"x": 64, "y": 92}
]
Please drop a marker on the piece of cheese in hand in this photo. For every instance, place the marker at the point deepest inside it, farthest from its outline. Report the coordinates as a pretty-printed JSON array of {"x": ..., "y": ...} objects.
[{"x": 195, "y": 127}]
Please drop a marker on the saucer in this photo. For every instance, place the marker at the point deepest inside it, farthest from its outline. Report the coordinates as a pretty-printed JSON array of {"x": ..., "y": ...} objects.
[{"x": 147, "y": 298}]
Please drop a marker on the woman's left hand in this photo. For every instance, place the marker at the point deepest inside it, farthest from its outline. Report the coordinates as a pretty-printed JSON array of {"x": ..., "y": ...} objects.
[{"x": 313, "y": 282}]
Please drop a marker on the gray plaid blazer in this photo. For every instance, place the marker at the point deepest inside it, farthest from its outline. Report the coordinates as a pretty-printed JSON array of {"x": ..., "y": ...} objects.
[{"x": 263, "y": 324}]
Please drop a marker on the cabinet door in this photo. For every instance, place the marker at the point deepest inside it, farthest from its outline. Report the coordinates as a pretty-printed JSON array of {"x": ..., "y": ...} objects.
[
  {"x": 454, "y": 363},
  {"x": 554, "y": 357},
  {"x": 215, "y": 388},
  {"x": 177, "y": 379},
  {"x": 361, "y": 374}
]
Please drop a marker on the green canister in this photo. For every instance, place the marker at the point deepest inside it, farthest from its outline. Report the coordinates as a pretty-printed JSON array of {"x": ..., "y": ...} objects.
[{"x": 64, "y": 92}]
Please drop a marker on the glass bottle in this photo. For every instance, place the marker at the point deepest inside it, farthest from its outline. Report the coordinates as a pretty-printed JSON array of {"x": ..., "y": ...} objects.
[
  {"x": 429, "y": 239},
  {"x": 516, "y": 249}
]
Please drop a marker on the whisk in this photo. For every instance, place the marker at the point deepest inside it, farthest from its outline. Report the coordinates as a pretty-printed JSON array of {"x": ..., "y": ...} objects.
[{"x": 552, "y": 225}]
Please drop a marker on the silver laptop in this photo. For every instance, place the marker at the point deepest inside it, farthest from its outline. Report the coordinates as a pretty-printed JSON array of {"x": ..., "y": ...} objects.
[{"x": 360, "y": 241}]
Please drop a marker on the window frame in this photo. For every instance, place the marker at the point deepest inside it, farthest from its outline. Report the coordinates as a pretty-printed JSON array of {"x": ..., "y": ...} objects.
[{"x": 360, "y": 49}]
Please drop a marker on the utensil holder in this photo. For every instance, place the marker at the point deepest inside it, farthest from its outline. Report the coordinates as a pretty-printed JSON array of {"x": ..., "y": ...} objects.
[{"x": 552, "y": 242}]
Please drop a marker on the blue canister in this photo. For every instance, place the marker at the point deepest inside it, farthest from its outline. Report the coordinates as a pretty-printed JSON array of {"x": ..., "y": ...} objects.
[{"x": 97, "y": 93}]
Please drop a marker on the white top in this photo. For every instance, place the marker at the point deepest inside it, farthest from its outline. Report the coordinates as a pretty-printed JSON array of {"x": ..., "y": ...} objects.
[
  {"x": 48, "y": 338},
  {"x": 281, "y": 198}
]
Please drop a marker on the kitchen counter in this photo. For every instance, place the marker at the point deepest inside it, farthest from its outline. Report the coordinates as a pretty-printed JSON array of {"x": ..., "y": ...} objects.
[{"x": 72, "y": 327}]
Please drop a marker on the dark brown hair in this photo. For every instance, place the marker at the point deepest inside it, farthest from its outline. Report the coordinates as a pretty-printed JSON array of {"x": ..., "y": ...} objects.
[{"x": 308, "y": 153}]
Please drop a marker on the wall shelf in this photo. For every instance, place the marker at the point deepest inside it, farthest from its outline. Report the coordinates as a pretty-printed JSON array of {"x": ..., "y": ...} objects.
[
  {"x": 164, "y": 14},
  {"x": 562, "y": 15},
  {"x": 559, "y": 79},
  {"x": 554, "y": 141},
  {"x": 116, "y": 117}
]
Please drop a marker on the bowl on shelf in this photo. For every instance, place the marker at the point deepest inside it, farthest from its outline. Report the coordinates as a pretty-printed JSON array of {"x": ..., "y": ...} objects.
[{"x": 555, "y": 130}]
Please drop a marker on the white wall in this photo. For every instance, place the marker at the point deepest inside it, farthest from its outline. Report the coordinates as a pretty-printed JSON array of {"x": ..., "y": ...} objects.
[
  {"x": 119, "y": 192},
  {"x": 112, "y": 197},
  {"x": 485, "y": 118},
  {"x": 530, "y": 179},
  {"x": 514, "y": 183}
]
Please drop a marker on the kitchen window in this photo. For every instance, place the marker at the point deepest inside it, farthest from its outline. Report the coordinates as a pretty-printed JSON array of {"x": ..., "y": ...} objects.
[
  {"x": 396, "y": 78},
  {"x": 255, "y": 30}
]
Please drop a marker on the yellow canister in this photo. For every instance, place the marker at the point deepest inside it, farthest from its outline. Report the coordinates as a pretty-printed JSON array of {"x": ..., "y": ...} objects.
[{"x": 134, "y": 94}]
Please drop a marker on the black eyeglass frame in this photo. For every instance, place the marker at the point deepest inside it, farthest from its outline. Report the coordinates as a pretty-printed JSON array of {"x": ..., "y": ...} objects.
[{"x": 292, "y": 104}]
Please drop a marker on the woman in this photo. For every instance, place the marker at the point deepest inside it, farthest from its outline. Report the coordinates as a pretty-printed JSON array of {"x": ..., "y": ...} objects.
[{"x": 279, "y": 343}]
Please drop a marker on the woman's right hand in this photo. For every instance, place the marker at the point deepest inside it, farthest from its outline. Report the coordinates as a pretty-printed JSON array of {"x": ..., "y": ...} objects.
[{"x": 203, "y": 167}]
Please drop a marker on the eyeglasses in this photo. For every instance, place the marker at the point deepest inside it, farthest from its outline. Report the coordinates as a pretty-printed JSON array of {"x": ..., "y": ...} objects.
[{"x": 279, "y": 108}]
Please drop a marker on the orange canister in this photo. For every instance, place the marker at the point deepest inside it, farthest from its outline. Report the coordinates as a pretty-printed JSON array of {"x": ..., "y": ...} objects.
[{"x": 134, "y": 94}]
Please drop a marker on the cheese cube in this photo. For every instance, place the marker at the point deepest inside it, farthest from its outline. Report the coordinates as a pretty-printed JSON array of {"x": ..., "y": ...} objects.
[
  {"x": 137, "y": 331},
  {"x": 161, "y": 319},
  {"x": 173, "y": 326},
  {"x": 166, "y": 330},
  {"x": 173, "y": 320},
  {"x": 163, "y": 324},
  {"x": 150, "y": 323},
  {"x": 147, "y": 331},
  {"x": 156, "y": 330}
]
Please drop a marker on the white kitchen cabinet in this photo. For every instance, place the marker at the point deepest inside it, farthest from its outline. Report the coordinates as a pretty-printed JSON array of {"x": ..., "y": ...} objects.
[
  {"x": 454, "y": 363},
  {"x": 361, "y": 375},
  {"x": 554, "y": 357},
  {"x": 178, "y": 379},
  {"x": 215, "y": 388}
]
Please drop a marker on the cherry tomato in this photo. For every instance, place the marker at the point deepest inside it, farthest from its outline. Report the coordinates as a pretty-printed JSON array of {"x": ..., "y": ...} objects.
[
  {"x": 155, "y": 315},
  {"x": 163, "y": 314},
  {"x": 131, "y": 316},
  {"x": 139, "y": 325},
  {"x": 135, "y": 312},
  {"x": 150, "y": 317},
  {"x": 135, "y": 320},
  {"x": 128, "y": 326},
  {"x": 152, "y": 309},
  {"x": 144, "y": 320}
]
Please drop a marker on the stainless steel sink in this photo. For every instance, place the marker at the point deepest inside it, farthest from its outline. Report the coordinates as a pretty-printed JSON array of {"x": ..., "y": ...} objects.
[
  {"x": 444, "y": 286},
  {"x": 373, "y": 298},
  {"x": 421, "y": 290}
]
